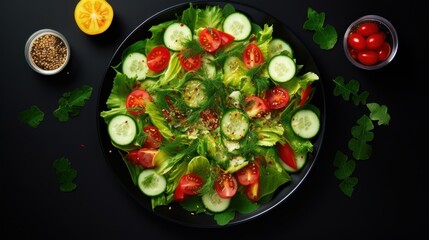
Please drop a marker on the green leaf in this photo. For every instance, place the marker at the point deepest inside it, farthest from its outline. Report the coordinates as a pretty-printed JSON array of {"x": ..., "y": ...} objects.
[
  {"x": 32, "y": 116},
  {"x": 65, "y": 174},
  {"x": 360, "y": 98},
  {"x": 348, "y": 184},
  {"x": 315, "y": 20},
  {"x": 345, "y": 90},
  {"x": 379, "y": 113},
  {"x": 70, "y": 104},
  {"x": 224, "y": 217},
  {"x": 345, "y": 167},
  {"x": 326, "y": 37},
  {"x": 361, "y": 135}
]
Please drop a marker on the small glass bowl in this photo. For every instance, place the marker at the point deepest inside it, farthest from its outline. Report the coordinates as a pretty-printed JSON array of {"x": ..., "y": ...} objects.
[
  {"x": 47, "y": 51},
  {"x": 384, "y": 26}
]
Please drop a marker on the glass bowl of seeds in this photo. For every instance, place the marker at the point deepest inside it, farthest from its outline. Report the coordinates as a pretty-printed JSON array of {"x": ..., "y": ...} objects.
[{"x": 47, "y": 51}]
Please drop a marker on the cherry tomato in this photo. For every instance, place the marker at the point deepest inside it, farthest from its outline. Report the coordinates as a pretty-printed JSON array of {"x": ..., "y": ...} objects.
[
  {"x": 248, "y": 174},
  {"x": 135, "y": 102},
  {"x": 368, "y": 57},
  {"x": 287, "y": 155},
  {"x": 384, "y": 51},
  {"x": 143, "y": 157},
  {"x": 158, "y": 58},
  {"x": 210, "y": 119},
  {"x": 305, "y": 94},
  {"x": 252, "y": 56},
  {"x": 356, "y": 41},
  {"x": 179, "y": 195},
  {"x": 226, "y": 38},
  {"x": 277, "y": 97},
  {"x": 353, "y": 53},
  {"x": 226, "y": 185},
  {"x": 256, "y": 107},
  {"x": 210, "y": 39},
  {"x": 374, "y": 41},
  {"x": 190, "y": 183},
  {"x": 190, "y": 63},
  {"x": 252, "y": 191},
  {"x": 367, "y": 28},
  {"x": 154, "y": 137}
]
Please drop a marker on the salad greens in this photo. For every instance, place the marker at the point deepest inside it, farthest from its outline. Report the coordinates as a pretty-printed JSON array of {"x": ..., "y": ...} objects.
[
  {"x": 188, "y": 144},
  {"x": 70, "y": 104}
]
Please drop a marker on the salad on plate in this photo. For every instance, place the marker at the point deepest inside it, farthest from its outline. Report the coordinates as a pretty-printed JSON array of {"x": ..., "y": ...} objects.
[{"x": 212, "y": 112}]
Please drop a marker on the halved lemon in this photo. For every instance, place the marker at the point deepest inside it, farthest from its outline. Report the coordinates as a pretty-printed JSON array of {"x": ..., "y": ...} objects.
[{"x": 93, "y": 16}]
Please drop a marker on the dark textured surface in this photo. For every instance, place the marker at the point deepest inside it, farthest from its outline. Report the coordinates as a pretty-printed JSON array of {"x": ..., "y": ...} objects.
[{"x": 390, "y": 199}]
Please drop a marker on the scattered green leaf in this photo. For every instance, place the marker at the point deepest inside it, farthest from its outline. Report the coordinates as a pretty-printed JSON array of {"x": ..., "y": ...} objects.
[
  {"x": 70, "y": 104},
  {"x": 324, "y": 35},
  {"x": 361, "y": 136},
  {"x": 347, "y": 185},
  {"x": 379, "y": 113},
  {"x": 32, "y": 116},
  {"x": 345, "y": 167},
  {"x": 65, "y": 174}
]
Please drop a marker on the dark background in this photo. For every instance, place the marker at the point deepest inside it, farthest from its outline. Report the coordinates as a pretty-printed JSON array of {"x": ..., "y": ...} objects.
[{"x": 390, "y": 199}]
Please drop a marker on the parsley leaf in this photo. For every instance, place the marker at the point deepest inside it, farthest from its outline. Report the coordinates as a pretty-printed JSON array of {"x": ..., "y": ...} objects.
[
  {"x": 324, "y": 35},
  {"x": 379, "y": 113},
  {"x": 361, "y": 135},
  {"x": 348, "y": 184},
  {"x": 345, "y": 167},
  {"x": 65, "y": 174},
  {"x": 350, "y": 89},
  {"x": 32, "y": 116},
  {"x": 71, "y": 103}
]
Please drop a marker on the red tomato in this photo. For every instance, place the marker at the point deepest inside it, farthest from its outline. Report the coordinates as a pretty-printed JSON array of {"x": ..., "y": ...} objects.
[
  {"x": 384, "y": 51},
  {"x": 136, "y": 101},
  {"x": 367, "y": 28},
  {"x": 368, "y": 57},
  {"x": 356, "y": 41},
  {"x": 226, "y": 185},
  {"x": 190, "y": 183},
  {"x": 287, "y": 155},
  {"x": 179, "y": 195},
  {"x": 248, "y": 174},
  {"x": 374, "y": 41},
  {"x": 277, "y": 97},
  {"x": 252, "y": 191},
  {"x": 305, "y": 94},
  {"x": 353, "y": 53},
  {"x": 143, "y": 157},
  {"x": 210, "y": 119},
  {"x": 252, "y": 56},
  {"x": 190, "y": 63},
  {"x": 210, "y": 39},
  {"x": 158, "y": 58},
  {"x": 154, "y": 137},
  {"x": 256, "y": 107},
  {"x": 226, "y": 38}
]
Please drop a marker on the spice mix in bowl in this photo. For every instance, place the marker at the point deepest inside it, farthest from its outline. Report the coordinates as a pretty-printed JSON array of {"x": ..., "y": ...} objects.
[{"x": 47, "y": 51}]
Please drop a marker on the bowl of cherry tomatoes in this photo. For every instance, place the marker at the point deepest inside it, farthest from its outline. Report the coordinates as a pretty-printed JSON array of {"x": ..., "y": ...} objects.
[{"x": 370, "y": 42}]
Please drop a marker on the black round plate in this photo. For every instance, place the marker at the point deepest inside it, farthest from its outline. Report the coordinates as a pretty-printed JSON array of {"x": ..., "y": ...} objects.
[{"x": 175, "y": 212}]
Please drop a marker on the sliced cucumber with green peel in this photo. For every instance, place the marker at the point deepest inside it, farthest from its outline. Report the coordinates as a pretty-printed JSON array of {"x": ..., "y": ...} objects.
[
  {"x": 214, "y": 203},
  {"x": 278, "y": 46},
  {"x": 122, "y": 129},
  {"x": 175, "y": 35},
  {"x": 300, "y": 159},
  {"x": 234, "y": 124},
  {"x": 238, "y": 25},
  {"x": 135, "y": 66},
  {"x": 305, "y": 123},
  {"x": 194, "y": 94},
  {"x": 151, "y": 183},
  {"x": 281, "y": 68}
]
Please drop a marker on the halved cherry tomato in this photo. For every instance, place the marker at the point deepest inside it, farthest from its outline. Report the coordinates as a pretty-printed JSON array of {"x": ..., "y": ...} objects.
[
  {"x": 277, "y": 97},
  {"x": 252, "y": 56},
  {"x": 158, "y": 58},
  {"x": 367, "y": 28},
  {"x": 256, "y": 107},
  {"x": 368, "y": 57},
  {"x": 190, "y": 183},
  {"x": 356, "y": 41},
  {"x": 179, "y": 195},
  {"x": 252, "y": 191},
  {"x": 143, "y": 157},
  {"x": 305, "y": 94},
  {"x": 210, "y": 39},
  {"x": 287, "y": 155},
  {"x": 136, "y": 101},
  {"x": 210, "y": 119},
  {"x": 226, "y": 185},
  {"x": 226, "y": 38},
  {"x": 190, "y": 63},
  {"x": 153, "y": 138},
  {"x": 248, "y": 174}
]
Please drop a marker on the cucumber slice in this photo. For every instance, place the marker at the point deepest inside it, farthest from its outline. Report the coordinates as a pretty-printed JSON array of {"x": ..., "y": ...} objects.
[
  {"x": 214, "y": 203},
  {"x": 122, "y": 129},
  {"x": 278, "y": 46},
  {"x": 234, "y": 124},
  {"x": 300, "y": 158},
  {"x": 135, "y": 66},
  {"x": 281, "y": 68},
  {"x": 209, "y": 68},
  {"x": 175, "y": 35},
  {"x": 151, "y": 183},
  {"x": 238, "y": 25},
  {"x": 305, "y": 123},
  {"x": 194, "y": 94}
]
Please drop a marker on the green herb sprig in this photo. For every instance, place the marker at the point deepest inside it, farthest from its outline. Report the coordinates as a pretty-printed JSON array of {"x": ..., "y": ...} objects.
[
  {"x": 70, "y": 104},
  {"x": 324, "y": 35},
  {"x": 65, "y": 174},
  {"x": 361, "y": 132}
]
